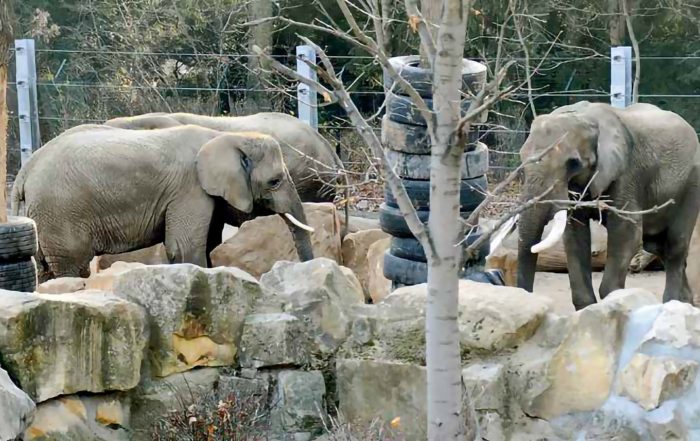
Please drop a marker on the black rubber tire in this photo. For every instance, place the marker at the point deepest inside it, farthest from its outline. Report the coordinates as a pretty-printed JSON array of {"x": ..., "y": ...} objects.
[
  {"x": 475, "y": 163},
  {"x": 18, "y": 239},
  {"x": 411, "y": 249},
  {"x": 471, "y": 193},
  {"x": 402, "y": 110},
  {"x": 408, "y": 68},
  {"x": 391, "y": 220},
  {"x": 18, "y": 276},
  {"x": 415, "y": 140},
  {"x": 404, "y": 271}
]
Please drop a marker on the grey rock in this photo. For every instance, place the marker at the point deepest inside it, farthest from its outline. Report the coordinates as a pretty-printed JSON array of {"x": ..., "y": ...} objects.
[
  {"x": 16, "y": 408},
  {"x": 89, "y": 341},
  {"x": 231, "y": 386},
  {"x": 197, "y": 314},
  {"x": 155, "y": 399},
  {"x": 319, "y": 293},
  {"x": 486, "y": 385},
  {"x": 369, "y": 390},
  {"x": 82, "y": 418},
  {"x": 272, "y": 340},
  {"x": 298, "y": 402}
]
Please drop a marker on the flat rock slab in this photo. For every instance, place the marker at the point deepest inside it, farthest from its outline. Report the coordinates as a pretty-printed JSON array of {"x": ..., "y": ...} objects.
[
  {"x": 196, "y": 314},
  {"x": 89, "y": 341}
]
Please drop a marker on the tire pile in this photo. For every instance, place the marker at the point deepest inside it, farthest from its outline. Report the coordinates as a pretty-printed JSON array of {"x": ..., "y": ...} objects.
[
  {"x": 18, "y": 244},
  {"x": 404, "y": 134}
]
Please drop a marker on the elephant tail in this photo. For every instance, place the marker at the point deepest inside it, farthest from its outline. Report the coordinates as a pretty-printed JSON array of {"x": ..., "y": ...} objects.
[{"x": 17, "y": 194}]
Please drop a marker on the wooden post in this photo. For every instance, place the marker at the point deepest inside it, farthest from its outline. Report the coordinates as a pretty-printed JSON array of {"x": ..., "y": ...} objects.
[{"x": 5, "y": 45}]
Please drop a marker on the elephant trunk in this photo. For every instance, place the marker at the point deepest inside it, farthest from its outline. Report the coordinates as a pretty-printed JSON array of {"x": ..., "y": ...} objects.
[
  {"x": 296, "y": 222},
  {"x": 530, "y": 226}
]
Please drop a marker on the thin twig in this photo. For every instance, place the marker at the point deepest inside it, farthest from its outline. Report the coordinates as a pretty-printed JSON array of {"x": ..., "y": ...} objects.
[{"x": 635, "y": 46}]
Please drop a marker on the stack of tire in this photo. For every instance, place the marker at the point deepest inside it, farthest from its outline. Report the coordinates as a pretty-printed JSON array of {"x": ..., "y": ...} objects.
[
  {"x": 18, "y": 245},
  {"x": 405, "y": 136}
]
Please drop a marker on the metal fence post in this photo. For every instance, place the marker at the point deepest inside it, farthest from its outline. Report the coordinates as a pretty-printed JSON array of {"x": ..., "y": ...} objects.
[
  {"x": 27, "y": 107},
  {"x": 620, "y": 76},
  {"x": 306, "y": 96}
]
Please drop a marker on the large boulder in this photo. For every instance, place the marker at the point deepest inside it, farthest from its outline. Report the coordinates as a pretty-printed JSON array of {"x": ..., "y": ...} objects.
[
  {"x": 378, "y": 286},
  {"x": 82, "y": 418},
  {"x": 16, "y": 408},
  {"x": 196, "y": 314},
  {"x": 88, "y": 341},
  {"x": 572, "y": 364},
  {"x": 156, "y": 399},
  {"x": 355, "y": 254},
  {"x": 62, "y": 285},
  {"x": 262, "y": 241},
  {"x": 491, "y": 319},
  {"x": 104, "y": 280},
  {"x": 273, "y": 340},
  {"x": 298, "y": 403},
  {"x": 320, "y": 293},
  {"x": 369, "y": 390}
]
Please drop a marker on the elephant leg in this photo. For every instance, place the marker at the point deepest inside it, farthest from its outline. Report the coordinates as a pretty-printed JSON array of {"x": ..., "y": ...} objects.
[
  {"x": 675, "y": 253},
  {"x": 623, "y": 243},
  {"x": 577, "y": 243},
  {"x": 187, "y": 230},
  {"x": 215, "y": 235}
]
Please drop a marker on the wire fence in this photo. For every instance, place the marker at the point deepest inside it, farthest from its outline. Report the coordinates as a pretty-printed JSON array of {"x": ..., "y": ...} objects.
[{"x": 86, "y": 86}]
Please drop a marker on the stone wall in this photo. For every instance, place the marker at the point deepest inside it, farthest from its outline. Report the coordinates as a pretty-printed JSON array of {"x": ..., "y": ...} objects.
[{"x": 162, "y": 345}]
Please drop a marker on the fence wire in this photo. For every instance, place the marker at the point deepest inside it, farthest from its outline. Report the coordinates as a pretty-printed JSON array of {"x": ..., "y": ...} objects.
[{"x": 64, "y": 103}]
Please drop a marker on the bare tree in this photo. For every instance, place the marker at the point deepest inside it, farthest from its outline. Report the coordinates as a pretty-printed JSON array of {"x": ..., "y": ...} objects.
[
  {"x": 5, "y": 45},
  {"x": 445, "y": 230},
  {"x": 258, "y": 36}
]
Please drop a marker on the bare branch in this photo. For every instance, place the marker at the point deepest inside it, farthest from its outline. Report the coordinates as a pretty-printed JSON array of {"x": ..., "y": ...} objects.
[
  {"x": 343, "y": 97},
  {"x": 486, "y": 235},
  {"x": 418, "y": 24},
  {"x": 528, "y": 73},
  {"x": 635, "y": 46}
]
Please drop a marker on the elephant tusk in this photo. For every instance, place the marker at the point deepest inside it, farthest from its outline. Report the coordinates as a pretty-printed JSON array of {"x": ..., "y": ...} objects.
[
  {"x": 502, "y": 233},
  {"x": 555, "y": 233},
  {"x": 294, "y": 220}
]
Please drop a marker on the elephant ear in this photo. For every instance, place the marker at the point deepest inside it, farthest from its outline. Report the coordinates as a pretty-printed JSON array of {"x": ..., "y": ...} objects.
[
  {"x": 612, "y": 152},
  {"x": 224, "y": 171}
]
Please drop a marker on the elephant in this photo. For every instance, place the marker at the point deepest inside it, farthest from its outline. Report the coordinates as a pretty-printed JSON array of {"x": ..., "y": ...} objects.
[
  {"x": 96, "y": 189},
  {"x": 637, "y": 158},
  {"x": 312, "y": 162}
]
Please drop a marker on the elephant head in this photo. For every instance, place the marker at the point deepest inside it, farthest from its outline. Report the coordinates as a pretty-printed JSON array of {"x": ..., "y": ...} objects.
[
  {"x": 246, "y": 169},
  {"x": 589, "y": 149}
]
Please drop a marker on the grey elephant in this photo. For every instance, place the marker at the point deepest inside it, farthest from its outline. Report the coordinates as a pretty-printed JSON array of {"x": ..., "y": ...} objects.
[
  {"x": 638, "y": 157},
  {"x": 97, "y": 190},
  {"x": 312, "y": 163}
]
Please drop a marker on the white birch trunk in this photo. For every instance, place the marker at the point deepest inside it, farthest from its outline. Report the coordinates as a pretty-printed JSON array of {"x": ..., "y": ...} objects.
[{"x": 446, "y": 420}]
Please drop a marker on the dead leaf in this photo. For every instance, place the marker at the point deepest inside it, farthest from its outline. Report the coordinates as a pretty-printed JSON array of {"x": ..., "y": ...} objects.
[
  {"x": 326, "y": 96},
  {"x": 413, "y": 22}
]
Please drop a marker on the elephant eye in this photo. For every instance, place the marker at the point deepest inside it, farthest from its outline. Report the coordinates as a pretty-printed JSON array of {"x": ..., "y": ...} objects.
[{"x": 274, "y": 184}]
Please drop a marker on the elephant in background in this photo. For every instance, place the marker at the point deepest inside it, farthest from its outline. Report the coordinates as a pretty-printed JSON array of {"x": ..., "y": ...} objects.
[
  {"x": 638, "y": 157},
  {"x": 96, "y": 189},
  {"x": 312, "y": 163}
]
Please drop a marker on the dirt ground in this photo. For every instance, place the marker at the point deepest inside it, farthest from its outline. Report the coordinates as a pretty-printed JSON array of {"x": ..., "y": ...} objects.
[{"x": 556, "y": 287}]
